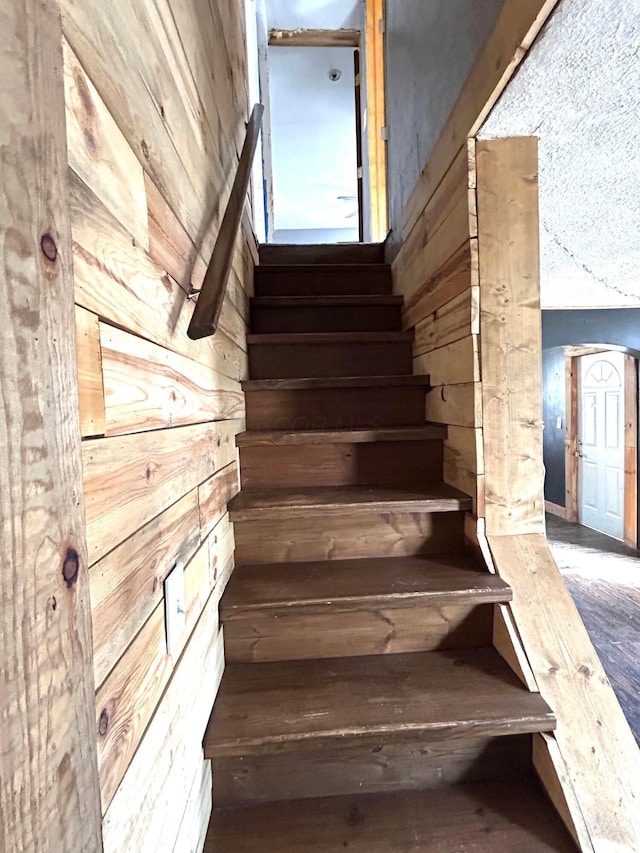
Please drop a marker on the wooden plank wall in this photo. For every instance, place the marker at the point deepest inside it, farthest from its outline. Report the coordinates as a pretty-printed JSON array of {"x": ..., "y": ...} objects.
[
  {"x": 468, "y": 270},
  {"x": 156, "y": 104},
  {"x": 594, "y": 740},
  {"x": 49, "y": 796},
  {"x": 437, "y": 273}
]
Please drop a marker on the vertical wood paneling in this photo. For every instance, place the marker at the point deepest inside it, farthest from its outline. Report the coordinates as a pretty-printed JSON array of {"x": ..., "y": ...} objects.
[
  {"x": 49, "y": 797},
  {"x": 90, "y": 387},
  {"x": 507, "y": 174}
]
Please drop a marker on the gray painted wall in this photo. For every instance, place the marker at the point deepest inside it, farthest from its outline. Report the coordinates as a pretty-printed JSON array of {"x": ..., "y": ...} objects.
[{"x": 430, "y": 48}]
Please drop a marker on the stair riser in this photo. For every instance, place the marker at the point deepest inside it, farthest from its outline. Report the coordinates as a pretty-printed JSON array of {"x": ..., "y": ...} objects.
[
  {"x": 371, "y": 253},
  {"x": 341, "y": 318},
  {"x": 335, "y": 408},
  {"x": 387, "y": 462},
  {"x": 319, "y": 282},
  {"x": 348, "y": 536},
  {"x": 298, "y": 635},
  {"x": 295, "y": 361},
  {"x": 380, "y": 767}
]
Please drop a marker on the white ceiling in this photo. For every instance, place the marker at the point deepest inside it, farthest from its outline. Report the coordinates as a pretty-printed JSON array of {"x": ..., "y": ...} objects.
[
  {"x": 579, "y": 92},
  {"x": 315, "y": 14}
]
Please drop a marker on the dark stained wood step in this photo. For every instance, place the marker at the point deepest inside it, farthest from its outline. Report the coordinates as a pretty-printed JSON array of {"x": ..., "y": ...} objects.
[
  {"x": 437, "y": 696},
  {"x": 307, "y": 338},
  {"x": 344, "y": 585},
  {"x": 291, "y": 611},
  {"x": 346, "y": 500},
  {"x": 333, "y": 406},
  {"x": 329, "y": 354},
  {"x": 322, "y": 280},
  {"x": 334, "y": 382},
  {"x": 330, "y": 403},
  {"x": 478, "y": 818},
  {"x": 274, "y": 314},
  {"x": 348, "y": 536},
  {"x": 341, "y": 464},
  {"x": 325, "y": 301},
  {"x": 321, "y": 253},
  {"x": 276, "y": 438},
  {"x": 379, "y": 767}
]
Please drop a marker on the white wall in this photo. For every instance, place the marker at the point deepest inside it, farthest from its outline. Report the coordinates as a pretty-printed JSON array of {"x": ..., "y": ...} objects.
[
  {"x": 315, "y": 14},
  {"x": 313, "y": 139},
  {"x": 579, "y": 92}
]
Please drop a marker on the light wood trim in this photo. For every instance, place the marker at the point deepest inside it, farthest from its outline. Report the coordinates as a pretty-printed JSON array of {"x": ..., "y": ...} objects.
[
  {"x": 49, "y": 796},
  {"x": 376, "y": 112},
  {"x": 630, "y": 451},
  {"x": 575, "y": 352},
  {"x": 571, "y": 438},
  {"x": 314, "y": 38},
  {"x": 507, "y": 641},
  {"x": 519, "y": 23},
  {"x": 552, "y": 772},
  {"x": 510, "y": 334},
  {"x": 206, "y": 315},
  {"x": 555, "y": 509},
  {"x": 593, "y": 736},
  {"x": 90, "y": 382}
]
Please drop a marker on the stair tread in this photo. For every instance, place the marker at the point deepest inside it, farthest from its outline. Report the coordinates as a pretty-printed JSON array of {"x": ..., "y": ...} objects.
[
  {"x": 306, "y": 338},
  {"x": 482, "y": 817},
  {"x": 383, "y": 581},
  {"x": 332, "y": 500},
  {"x": 320, "y": 253},
  {"x": 352, "y": 269},
  {"x": 433, "y": 695},
  {"x": 315, "y": 382},
  {"x": 255, "y": 438},
  {"x": 351, "y": 299}
]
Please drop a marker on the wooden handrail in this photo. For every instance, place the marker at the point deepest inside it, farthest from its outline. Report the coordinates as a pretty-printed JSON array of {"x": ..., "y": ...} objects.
[{"x": 204, "y": 320}]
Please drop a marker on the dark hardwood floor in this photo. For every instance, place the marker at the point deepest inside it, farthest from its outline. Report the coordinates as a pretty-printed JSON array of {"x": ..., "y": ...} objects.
[{"x": 603, "y": 577}]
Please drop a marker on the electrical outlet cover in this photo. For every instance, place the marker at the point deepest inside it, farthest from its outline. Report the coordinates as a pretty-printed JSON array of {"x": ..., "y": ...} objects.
[{"x": 174, "y": 606}]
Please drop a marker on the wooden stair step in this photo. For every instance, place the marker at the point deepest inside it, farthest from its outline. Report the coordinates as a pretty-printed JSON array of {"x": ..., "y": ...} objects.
[
  {"x": 325, "y": 403},
  {"x": 322, "y": 279},
  {"x": 377, "y": 767},
  {"x": 292, "y": 611},
  {"x": 321, "y": 253},
  {"x": 344, "y": 585},
  {"x": 279, "y": 314},
  {"x": 346, "y": 535},
  {"x": 270, "y": 438},
  {"x": 331, "y": 501},
  {"x": 316, "y": 383},
  {"x": 326, "y": 301},
  {"x": 329, "y": 354},
  {"x": 435, "y": 696},
  {"x": 306, "y": 339},
  {"x": 341, "y": 464},
  {"x": 483, "y": 818}
]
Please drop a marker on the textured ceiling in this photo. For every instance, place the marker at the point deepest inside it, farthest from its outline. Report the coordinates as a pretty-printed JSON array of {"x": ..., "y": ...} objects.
[{"x": 579, "y": 92}]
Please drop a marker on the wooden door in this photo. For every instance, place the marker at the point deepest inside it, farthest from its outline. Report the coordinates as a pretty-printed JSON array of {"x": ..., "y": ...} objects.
[{"x": 601, "y": 443}]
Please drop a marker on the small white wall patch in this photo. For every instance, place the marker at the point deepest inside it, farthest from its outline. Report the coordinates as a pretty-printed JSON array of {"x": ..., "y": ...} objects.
[{"x": 174, "y": 606}]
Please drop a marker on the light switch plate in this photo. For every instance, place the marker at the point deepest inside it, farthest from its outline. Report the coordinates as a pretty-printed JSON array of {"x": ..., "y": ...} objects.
[
  {"x": 174, "y": 606},
  {"x": 559, "y": 423}
]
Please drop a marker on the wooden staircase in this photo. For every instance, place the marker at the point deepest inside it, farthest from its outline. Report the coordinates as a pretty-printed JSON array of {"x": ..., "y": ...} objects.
[{"x": 363, "y": 706}]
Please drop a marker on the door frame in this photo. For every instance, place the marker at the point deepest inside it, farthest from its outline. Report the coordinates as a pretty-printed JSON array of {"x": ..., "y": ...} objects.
[
  {"x": 373, "y": 145},
  {"x": 631, "y": 467}
]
